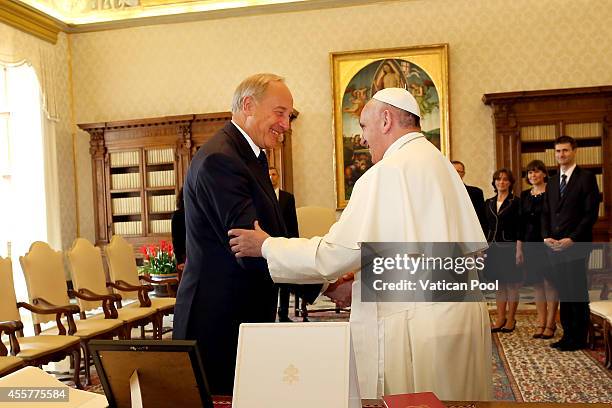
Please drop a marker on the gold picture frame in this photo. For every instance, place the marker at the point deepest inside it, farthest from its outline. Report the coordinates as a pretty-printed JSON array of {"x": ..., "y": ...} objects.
[{"x": 357, "y": 75}]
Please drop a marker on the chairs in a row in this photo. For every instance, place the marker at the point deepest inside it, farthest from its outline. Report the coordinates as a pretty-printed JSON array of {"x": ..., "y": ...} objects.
[
  {"x": 44, "y": 272},
  {"x": 33, "y": 350}
]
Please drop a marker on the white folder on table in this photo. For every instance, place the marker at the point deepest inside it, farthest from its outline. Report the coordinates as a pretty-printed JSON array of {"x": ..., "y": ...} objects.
[{"x": 298, "y": 365}]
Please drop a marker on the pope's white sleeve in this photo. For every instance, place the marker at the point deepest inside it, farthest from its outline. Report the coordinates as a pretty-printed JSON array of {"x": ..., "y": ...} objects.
[{"x": 314, "y": 260}]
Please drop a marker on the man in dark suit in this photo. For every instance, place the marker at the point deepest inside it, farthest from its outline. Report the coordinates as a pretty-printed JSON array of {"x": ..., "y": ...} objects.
[
  {"x": 308, "y": 293},
  {"x": 286, "y": 202},
  {"x": 569, "y": 213},
  {"x": 227, "y": 186},
  {"x": 476, "y": 195}
]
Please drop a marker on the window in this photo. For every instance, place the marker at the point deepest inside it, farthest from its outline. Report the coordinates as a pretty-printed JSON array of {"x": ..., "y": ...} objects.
[
  {"x": 23, "y": 217},
  {"x": 5, "y": 173}
]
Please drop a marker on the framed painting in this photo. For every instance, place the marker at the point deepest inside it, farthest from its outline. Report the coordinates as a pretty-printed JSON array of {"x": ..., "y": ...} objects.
[{"x": 357, "y": 75}]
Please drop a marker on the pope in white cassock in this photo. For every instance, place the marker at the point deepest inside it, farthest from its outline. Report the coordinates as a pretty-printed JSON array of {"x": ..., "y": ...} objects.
[{"x": 411, "y": 194}]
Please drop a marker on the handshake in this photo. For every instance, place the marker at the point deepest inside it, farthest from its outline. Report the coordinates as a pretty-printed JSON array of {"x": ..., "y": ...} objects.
[{"x": 340, "y": 292}]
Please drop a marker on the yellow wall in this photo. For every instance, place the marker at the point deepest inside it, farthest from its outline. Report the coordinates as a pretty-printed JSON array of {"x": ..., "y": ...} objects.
[{"x": 495, "y": 46}]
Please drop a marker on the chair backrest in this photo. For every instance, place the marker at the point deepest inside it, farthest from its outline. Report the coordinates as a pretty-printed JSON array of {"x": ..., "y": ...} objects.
[
  {"x": 122, "y": 264},
  {"x": 43, "y": 269},
  {"x": 315, "y": 221},
  {"x": 8, "y": 300},
  {"x": 85, "y": 262}
]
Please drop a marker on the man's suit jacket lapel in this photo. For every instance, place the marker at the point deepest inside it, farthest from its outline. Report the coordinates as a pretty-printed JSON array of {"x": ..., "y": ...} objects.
[{"x": 247, "y": 154}]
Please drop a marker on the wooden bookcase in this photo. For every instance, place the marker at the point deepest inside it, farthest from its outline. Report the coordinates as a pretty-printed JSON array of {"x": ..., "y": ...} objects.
[
  {"x": 527, "y": 123},
  {"x": 139, "y": 166}
]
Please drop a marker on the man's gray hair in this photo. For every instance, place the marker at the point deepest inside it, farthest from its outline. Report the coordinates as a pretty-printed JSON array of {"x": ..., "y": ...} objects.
[{"x": 254, "y": 86}]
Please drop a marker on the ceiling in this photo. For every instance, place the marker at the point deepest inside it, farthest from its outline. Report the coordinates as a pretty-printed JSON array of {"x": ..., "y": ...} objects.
[{"x": 103, "y": 14}]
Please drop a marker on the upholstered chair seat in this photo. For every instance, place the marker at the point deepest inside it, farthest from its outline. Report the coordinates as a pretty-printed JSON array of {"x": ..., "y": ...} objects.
[
  {"x": 601, "y": 327},
  {"x": 37, "y": 346},
  {"x": 8, "y": 364},
  {"x": 602, "y": 308},
  {"x": 90, "y": 327}
]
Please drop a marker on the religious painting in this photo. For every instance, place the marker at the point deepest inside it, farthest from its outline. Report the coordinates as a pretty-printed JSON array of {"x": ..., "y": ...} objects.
[{"x": 358, "y": 75}]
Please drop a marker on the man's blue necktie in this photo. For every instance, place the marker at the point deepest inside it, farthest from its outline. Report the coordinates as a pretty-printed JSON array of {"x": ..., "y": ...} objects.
[{"x": 563, "y": 184}]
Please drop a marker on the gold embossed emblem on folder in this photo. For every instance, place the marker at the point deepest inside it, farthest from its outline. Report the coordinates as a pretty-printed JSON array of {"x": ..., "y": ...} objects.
[{"x": 291, "y": 375}]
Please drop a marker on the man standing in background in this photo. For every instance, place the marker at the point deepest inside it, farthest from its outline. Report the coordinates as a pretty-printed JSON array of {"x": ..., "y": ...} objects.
[
  {"x": 569, "y": 213},
  {"x": 308, "y": 293},
  {"x": 476, "y": 195},
  {"x": 287, "y": 206}
]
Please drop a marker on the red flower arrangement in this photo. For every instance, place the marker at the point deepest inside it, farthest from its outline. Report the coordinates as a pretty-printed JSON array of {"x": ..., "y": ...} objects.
[{"x": 158, "y": 259}]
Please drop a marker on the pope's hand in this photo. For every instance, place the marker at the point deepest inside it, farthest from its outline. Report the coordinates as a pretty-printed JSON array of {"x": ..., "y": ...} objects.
[{"x": 247, "y": 242}]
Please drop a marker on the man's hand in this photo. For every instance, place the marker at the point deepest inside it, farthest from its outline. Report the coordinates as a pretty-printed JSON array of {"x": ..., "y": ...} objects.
[
  {"x": 551, "y": 243},
  {"x": 519, "y": 258},
  {"x": 341, "y": 291},
  {"x": 247, "y": 242},
  {"x": 563, "y": 244},
  {"x": 559, "y": 245}
]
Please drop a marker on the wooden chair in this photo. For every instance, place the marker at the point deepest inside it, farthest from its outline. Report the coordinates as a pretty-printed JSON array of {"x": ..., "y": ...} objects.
[
  {"x": 33, "y": 350},
  {"x": 600, "y": 327},
  {"x": 89, "y": 281},
  {"x": 312, "y": 222},
  {"x": 126, "y": 281},
  {"x": 44, "y": 274}
]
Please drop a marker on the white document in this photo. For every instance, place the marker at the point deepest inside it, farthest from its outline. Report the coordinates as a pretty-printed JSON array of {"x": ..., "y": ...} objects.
[
  {"x": 35, "y": 377},
  {"x": 298, "y": 365}
]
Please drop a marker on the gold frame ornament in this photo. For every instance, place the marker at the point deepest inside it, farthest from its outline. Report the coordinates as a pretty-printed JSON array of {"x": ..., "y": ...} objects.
[{"x": 357, "y": 75}]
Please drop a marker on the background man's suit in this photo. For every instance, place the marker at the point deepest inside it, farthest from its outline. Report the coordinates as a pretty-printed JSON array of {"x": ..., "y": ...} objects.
[
  {"x": 286, "y": 202},
  {"x": 307, "y": 292},
  {"x": 478, "y": 201},
  {"x": 226, "y": 187},
  {"x": 571, "y": 216}
]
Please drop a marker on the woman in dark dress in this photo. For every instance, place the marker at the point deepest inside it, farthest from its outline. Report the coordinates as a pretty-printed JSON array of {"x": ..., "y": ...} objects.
[
  {"x": 531, "y": 246},
  {"x": 502, "y": 221}
]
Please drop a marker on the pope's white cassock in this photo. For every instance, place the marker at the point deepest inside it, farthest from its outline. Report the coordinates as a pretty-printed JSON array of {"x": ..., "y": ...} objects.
[{"x": 412, "y": 195}]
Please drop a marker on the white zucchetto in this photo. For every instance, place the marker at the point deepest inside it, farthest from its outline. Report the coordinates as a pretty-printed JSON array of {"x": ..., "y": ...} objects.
[{"x": 400, "y": 98}]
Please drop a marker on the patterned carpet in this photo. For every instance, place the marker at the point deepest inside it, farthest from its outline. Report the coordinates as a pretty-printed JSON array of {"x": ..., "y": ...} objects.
[{"x": 539, "y": 373}]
